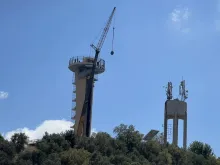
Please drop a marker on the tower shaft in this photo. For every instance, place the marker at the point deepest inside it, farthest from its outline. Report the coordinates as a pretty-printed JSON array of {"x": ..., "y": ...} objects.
[
  {"x": 82, "y": 68},
  {"x": 80, "y": 125}
]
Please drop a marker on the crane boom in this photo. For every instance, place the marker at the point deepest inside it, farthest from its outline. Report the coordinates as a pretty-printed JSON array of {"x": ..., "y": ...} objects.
[
  {"x": 105, "y": 32},
  {"x": 87, "y": 106}
]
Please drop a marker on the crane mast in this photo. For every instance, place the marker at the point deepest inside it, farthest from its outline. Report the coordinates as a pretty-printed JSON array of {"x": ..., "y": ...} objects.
[{"x": 87, "y": 106}]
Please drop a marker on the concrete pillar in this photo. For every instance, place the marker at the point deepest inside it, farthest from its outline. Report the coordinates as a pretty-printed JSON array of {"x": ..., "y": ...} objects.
[
  {"x": 175, "y": 130},
  {"x": 185, "y": 132},
  {"x": 177, "y": 135},
  {"x": 165, "y": 130}
]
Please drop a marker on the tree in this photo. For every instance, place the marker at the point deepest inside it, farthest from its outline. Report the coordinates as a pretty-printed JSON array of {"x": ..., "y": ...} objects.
[
  {"x": 38, "y": 157},
  {"x": 207, "y": 151},
  {"x": 120, "y": 159},
  {"x": 98, "y": 159},
  {"x": 52, "y": 159},
  {"x": 201, "y": 149},
  {"x": 150, "y": 150},
  {"x": 5, "y": 159},
  {"x": 164, "y": 157},
  {"x": 128, "y": 135},
  {"x": 26, "y": 155},
  {"x": 54, "y": 143},
  {"x": 7, "y": 153},
  {"x": 127, "y": 148},
  {"x": 24, "y": 162},
  {"x": 1, "y": 138},
  {"x": 70, "y": 137},
  {"x": 86, "y": 143},
  {"x": 19, "y": 140},
  {"x": 75, "y": 157},
  {"x": 7, "y": 148},
  {"x": 102, "y": 142},
  {"x": 178, "y": 155},
  {"x": 198, "y": 159}
]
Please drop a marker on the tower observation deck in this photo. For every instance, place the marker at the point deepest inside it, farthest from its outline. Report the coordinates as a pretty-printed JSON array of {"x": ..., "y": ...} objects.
[{"x": 82, "y": 68}]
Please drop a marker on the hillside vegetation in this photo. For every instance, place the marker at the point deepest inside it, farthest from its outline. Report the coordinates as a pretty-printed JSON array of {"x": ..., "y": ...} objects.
[{"x": 127, "y": 148}]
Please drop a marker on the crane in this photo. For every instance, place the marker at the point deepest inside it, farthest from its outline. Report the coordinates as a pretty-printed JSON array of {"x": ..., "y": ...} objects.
[{"x": 87, "y": 106}]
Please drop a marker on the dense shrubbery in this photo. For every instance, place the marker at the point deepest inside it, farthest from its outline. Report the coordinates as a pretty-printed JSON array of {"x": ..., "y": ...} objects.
[{"x": 127, "y": 148}]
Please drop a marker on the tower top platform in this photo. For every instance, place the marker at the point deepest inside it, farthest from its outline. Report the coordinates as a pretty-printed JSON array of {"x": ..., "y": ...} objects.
[{"x": 85, "y": 62}]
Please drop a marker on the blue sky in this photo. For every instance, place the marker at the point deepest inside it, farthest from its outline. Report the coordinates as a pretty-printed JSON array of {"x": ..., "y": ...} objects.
[{"x": 155, "y": 42}]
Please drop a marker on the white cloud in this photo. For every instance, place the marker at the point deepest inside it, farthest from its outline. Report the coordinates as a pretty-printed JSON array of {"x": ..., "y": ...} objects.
[
  {"x": 3, "y": 95},
  {"x": 50, "y": 126},
  {"x": 179, "y": 18}
]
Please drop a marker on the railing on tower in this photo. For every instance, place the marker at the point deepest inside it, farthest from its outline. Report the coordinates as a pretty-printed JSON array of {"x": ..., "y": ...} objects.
[{"x": 79, "y": 59}]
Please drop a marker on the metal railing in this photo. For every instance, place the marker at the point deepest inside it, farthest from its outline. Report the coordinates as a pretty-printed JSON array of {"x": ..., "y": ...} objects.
[{"x": 78, "y": 59}]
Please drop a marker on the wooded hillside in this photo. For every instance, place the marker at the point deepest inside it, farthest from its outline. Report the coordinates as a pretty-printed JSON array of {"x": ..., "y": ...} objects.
[{"x": 127, "y": 148}]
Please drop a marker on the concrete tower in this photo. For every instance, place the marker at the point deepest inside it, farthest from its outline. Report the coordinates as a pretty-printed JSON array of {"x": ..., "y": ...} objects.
[
  {"x": 81, "y": 68},
  {"x": 176, "y": 109}
]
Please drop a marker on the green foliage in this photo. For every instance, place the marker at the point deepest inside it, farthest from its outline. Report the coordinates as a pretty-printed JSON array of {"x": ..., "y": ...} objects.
[
  {"x": 201, "y": 149},
  {"x": 1, "y": 138},
  {"x": 164, "y": 157},
  {"x": 150, "y": 150},
  {"x": 98, "y": 159},
  {"x": 75, "y": 157},
  {"x": 178, "y": 155},
  {"x": 54, "y": 143},
  {"x": 4, "y": 158},
  {"x": 129, "y": 135},
  {"x": 127, "y": 148},
  {"x": 23, "y": 162},
  {"x": 19, "y": 140},
  {"x": 7, "y": 148},
  {"x": 70, "y": 138},
  {"x": 52, "y": 159},
  {"x": 103, "y": 144}
]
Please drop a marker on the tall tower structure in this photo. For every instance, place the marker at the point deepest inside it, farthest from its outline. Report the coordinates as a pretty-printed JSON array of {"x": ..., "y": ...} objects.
[
  {"x": 82, "y": 68},
  {"x": 176, "y": 109},
  {"x": 85, "y": 69}
]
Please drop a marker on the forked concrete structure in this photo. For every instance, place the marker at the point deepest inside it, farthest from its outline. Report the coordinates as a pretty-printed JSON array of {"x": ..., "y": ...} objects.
[
  {"x": 176, "y": 109},
  {"x": 81, "y": 68}
]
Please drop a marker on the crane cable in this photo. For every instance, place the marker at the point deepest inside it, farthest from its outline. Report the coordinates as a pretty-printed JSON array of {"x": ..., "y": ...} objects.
[{"x": 113, "y": 37}]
